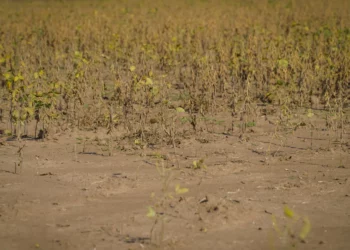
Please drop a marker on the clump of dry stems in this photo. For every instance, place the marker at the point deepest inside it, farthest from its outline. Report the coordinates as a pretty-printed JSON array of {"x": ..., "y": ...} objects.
[{"x": 127, "y": 65}]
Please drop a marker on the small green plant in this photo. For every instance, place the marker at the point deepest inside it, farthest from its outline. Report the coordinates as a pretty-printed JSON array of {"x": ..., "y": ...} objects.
[
  {"x": 199, "y": 164},
  {"x": 294, "y": 231},
  {"x": 159, "y": 211},
  {"x": 247, "y": 124}
]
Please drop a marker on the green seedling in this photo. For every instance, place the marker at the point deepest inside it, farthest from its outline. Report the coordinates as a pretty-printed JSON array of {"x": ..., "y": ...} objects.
[
  {"x": 294, "y": 232},
  {"x": 160, "y": 210},
  {"x": 199, "y": 164}
]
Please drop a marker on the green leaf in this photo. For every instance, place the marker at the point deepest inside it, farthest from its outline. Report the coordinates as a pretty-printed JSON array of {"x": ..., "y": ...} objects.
[
  {"x": 24, "y": 117},
  {"x": 180, "y": 190},
  {"x": 155, "y": 90},
  {"x": 306, "y": 228},
  {"x": 180, "y": 110},
  {"x": 78, "y": 54},
  {"x": 250, "y": 124},
  {"x": 148, "y": 81},
  {"x": 15, "y": 114},
  {"x": 151, "y": 212},
  {"x": 7, "y": 75},
  {"x": 132, "y": 68},
  {"x": 199, "y": 164},
  {"x": 29, "y": 110},
  {"x": 9, "y": 85},
  {"x": 283, "y": 63},
  {"x": 309, "y": 113},
  {"x": 288, "y": 212}
]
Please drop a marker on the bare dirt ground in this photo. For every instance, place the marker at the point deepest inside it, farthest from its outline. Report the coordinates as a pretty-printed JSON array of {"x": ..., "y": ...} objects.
[{"x": 67, "y": 199}]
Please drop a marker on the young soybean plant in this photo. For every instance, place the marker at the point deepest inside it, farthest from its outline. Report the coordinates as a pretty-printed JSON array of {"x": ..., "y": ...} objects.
[
  {"x": 289, "y": 233},
  {"x": 158, "y": 211}
]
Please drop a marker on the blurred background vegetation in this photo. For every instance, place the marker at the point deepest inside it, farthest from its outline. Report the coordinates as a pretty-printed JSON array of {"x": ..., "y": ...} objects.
[{"x": 130, "y": 64}]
